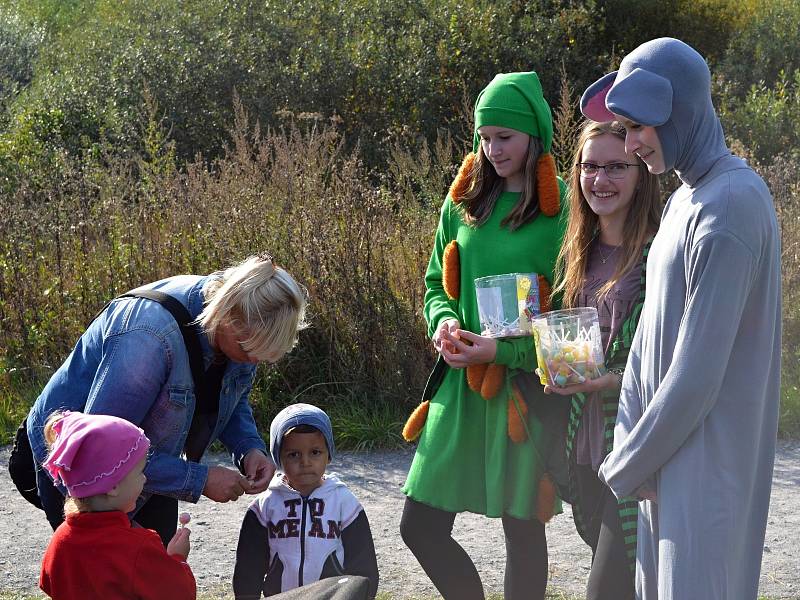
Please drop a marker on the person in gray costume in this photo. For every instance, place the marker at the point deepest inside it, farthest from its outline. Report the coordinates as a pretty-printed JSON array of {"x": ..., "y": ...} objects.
[{"x": 698, "y": 415}]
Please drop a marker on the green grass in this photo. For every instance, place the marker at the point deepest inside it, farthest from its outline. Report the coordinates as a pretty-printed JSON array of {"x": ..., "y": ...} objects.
[
  {"x": 367, "y": 426},
  {"x": 16, "y": 397},
  {"x": 358, "y": 425},
  {"x": 789, "y": 423}
]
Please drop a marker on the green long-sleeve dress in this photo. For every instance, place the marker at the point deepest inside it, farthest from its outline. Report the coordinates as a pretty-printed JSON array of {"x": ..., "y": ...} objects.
[{"x": 465, "y": 460}]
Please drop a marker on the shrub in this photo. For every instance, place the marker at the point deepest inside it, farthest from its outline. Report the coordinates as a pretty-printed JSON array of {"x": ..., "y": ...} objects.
[
  {"x": 765, "y": 46},
  {"x": 767, "y": 120},
  {"x": 706, "y": 25},
  {"x": 783, "y": 179},
  {"x": 123, "y": 158},
  {"x": 19, "y": 45},
  {"x": 390, "y": 70},
  {"x": 111, "y": 222}
]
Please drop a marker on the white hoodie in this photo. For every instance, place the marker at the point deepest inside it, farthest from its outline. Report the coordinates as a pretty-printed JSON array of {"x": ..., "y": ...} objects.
[{"x": 304, "y": 532}]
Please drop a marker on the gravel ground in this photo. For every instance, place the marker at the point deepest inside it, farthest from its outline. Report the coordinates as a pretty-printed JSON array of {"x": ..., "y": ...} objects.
[{"x": 375, "y": 478}]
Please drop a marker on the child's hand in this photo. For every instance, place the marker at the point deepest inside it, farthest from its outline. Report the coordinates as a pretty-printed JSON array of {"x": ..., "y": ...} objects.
[
  {"x": 468, "y": 348},
  {"x": 179, "y": 544},
  {"x": 609, "y": 381},
  {"x": 445, "y": 327}
]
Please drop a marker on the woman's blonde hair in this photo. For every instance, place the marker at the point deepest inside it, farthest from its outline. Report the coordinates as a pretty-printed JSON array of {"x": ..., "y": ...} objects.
[
  {"x": 486, "y": 186},
  {"x": 71, "y": 505},
  {"x": 640, "y": 225},
  {"x": 260, "y": 300}
]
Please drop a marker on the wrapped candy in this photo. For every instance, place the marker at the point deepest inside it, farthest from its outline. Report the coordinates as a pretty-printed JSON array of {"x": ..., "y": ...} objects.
[{"x": 568, "y": 346}]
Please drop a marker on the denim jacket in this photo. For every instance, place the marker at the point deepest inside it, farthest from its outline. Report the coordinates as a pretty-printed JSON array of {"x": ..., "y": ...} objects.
[{"x": 132, "y": 362}]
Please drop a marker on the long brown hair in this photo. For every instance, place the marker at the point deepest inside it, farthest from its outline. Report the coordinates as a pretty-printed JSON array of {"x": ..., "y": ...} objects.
[
  {"x": 486, "y": 186},
  {"x": 640, "y": 225}
]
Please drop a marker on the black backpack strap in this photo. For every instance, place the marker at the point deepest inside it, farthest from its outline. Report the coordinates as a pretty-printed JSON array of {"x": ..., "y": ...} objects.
[{"x": 188, "y": 329}]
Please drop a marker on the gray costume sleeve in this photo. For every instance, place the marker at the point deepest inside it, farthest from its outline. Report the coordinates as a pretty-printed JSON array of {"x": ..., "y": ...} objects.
[{"x": 720, "y": 270}]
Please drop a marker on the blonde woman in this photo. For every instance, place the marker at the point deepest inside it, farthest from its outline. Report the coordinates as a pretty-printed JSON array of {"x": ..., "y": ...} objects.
[
  {"x": 132, "y": 362},
  {"x": 614, "y": 211}
]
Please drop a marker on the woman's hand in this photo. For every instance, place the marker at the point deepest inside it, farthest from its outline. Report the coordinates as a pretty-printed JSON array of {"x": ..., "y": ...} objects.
[
  {"x": 225, "y": 484},
  {"x": 467, "y": 349},
  {"x": 179, "y": 544},
  {"x": 445, "y": 327},
  {"x": 608, "y": 381},
  {"x": 259, "y": 471}
]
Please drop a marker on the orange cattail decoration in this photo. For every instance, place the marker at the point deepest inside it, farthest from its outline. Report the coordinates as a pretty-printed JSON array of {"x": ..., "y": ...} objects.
[
  {"x": 416, "y": 422},
  {"x": 517, "y": 413},
  {"x": 547, "y": 185},
  {"x": 451, "y": 271},
  {"x": 546, "y": 499},
  {"x": 544, "y": 294},
  {"x": 493, "y": 381},
  {"x": 475, "y": 375},
  {"x": 462, "y": 181}
]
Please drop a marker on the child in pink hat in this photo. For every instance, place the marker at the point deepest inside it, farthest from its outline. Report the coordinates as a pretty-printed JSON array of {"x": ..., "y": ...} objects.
[{"x": 96, "y": 553}]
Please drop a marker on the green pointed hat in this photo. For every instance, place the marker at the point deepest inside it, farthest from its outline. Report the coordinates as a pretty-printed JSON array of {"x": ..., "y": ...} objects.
[{"x": 514, "y": 100}]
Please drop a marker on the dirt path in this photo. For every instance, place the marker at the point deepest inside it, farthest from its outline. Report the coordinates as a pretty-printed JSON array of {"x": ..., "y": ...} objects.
[{"x": 376, "y": 478}]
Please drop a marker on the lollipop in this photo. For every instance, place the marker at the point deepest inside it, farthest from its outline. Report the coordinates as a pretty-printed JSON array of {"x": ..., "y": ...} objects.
[{"x": 184, "y": 519}]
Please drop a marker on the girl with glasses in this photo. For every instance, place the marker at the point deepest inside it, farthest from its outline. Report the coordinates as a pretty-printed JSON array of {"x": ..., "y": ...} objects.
[{"x": 614, "y": 211}]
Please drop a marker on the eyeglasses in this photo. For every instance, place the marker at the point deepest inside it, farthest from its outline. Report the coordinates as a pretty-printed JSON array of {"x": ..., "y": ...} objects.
[{"x": 616, "y": 170}]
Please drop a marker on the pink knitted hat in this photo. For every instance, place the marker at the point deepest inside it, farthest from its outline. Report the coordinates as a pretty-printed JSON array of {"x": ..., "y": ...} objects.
[{"x": 93, "y": 453}]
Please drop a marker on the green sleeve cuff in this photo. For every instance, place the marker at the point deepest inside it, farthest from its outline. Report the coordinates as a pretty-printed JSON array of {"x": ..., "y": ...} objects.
[
  {"x": 516, "y": 353},
  {"x": 505, "y": 353}
]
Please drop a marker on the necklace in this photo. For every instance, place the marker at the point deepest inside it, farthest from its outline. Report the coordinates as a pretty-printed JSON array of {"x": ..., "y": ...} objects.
[{"x": 604, "y": 259}]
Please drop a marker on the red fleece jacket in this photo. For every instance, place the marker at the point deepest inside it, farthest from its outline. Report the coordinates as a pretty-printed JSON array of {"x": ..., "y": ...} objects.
[{"x": 99, "y": 555}]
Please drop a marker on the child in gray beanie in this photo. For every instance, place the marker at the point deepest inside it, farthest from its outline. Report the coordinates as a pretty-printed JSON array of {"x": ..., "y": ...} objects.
[
  {"x": 307, "y": 525},
  {"x": 698, "y": 413}
]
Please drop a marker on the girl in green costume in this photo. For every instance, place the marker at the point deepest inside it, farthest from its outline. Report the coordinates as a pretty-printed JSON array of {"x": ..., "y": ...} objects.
[
  {"x": 503, "y": 215},
  {"x": 615, "y": 208}
]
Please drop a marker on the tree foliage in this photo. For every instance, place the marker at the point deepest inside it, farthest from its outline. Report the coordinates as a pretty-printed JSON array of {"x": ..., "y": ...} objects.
[
  {"x": 126, "y": 156},
  {"x": 390, "y": 69}
]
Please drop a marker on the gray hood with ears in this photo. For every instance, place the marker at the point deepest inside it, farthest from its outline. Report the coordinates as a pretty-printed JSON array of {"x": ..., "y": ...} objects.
[{"x": 666, "y": 84}]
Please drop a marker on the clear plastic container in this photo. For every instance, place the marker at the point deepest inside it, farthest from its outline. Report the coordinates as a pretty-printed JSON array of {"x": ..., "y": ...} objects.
[
  {"x": 507, "y": 304},
  {"x": 569, "y": 349}
]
